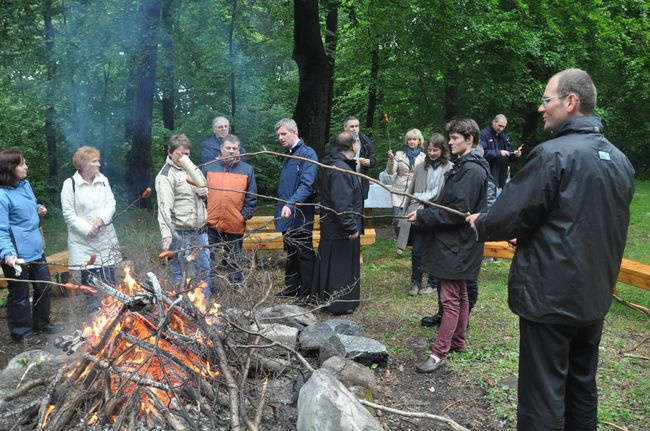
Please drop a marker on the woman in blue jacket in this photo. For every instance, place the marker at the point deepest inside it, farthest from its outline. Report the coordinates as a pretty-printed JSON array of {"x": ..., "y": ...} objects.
[{"x": 23, "y": 251}]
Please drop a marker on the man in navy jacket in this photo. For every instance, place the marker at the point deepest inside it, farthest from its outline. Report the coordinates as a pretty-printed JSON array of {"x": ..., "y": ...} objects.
[
  {"x": 497, "y": 150},
  {"x": 294, "y": 212},
  {"x": 211, "y": 147}
]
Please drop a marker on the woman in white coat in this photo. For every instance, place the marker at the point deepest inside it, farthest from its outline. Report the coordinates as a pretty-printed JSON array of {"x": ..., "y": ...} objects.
[
  {"x": 400, "y": 168},
  {"x": 88, "y": 207}
]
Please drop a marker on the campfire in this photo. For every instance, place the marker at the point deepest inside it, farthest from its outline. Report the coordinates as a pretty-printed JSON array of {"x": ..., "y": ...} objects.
[{"x": 149, "y": 358}]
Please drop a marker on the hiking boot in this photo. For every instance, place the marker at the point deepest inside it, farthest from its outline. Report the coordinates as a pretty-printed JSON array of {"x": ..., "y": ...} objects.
[
  {"x": 426, "y": 291},
  {"x": 431, "y": 364}
]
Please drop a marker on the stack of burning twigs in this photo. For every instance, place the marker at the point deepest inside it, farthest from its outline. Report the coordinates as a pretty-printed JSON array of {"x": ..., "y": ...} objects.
[{"x": 149, "y": 359}]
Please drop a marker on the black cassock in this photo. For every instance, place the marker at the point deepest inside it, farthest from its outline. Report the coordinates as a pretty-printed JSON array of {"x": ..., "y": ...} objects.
[{"x": 338, "y": 267}]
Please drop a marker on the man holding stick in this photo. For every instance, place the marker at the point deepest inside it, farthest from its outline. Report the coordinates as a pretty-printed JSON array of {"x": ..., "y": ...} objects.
[{"x": 569, "y": 208}]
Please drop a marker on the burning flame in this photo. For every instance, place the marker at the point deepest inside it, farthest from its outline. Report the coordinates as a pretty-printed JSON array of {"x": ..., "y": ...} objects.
[
  {"x": 50, "y": 409},
  {"x": 135, "y": 349}
]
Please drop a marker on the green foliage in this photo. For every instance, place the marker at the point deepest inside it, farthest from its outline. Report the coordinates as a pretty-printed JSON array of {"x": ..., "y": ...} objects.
[{"x": 436, "y": 59}]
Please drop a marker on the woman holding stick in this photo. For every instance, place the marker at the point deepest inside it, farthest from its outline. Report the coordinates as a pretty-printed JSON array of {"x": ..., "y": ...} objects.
[
  {"x": 400, "y": 168},
  {"x": 182, "y": 216},
  {"x": 88, "y": 206},
  {"x": 23, "y": 252},
  {"x": 428, "y": 180}
]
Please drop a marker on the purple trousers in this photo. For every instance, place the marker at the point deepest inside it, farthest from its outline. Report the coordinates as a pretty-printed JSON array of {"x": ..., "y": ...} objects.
[{"x": 451, "y": 335}]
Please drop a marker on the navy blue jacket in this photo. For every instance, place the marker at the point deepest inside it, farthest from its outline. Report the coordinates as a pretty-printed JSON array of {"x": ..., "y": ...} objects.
[
  {"x": 211, "y": 149},
  {"x": 492, "y": 145},
  {"x": 297, "y": 185}
]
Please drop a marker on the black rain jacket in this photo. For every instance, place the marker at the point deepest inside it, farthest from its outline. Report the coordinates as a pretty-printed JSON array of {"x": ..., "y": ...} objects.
[
  {"x": 342, "y": 193},
  {"x": 451, "y": 251},
  {"x": 569, "y": 208}
]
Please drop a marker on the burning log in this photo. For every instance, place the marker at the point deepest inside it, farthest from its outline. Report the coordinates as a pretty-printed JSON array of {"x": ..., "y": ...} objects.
[{"x": 147, "y": 351}]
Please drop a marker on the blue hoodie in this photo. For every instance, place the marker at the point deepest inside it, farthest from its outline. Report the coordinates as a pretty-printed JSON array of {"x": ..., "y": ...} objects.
[{"x": 19, "y": 220}]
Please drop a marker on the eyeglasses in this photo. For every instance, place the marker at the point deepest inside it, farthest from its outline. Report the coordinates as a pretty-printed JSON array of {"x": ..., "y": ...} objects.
[{"x": 546, "y": 100}]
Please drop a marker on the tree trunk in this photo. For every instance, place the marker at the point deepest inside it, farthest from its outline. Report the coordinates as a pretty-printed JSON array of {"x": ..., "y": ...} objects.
[
  {"x": 167, "y": 78},
  {"x": 331, "y": 24},
  {"x": 451, "y": 93},
  {"x": 140, "y": 163},
  {"x": 233, "y": 66},
  {"x": 50, "y": 112},
  {"x": 529, "y": 128},
  {"x": 372, "y": 89},
  {"x": 312, "y": 108}
]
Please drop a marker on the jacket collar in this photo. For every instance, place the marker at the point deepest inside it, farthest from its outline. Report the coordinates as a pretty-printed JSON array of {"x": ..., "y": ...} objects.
[
  {"x": 79, "y": 181},
  {"x": 295, "y": 148},
  {"x": 582, "y": 125}
]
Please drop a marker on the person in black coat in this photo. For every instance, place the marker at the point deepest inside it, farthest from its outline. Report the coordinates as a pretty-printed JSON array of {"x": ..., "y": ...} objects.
[
  {"x": 338, "y": 267},
  {"x": 569, "y": 208},
  {"x": 451, "y": 253}
]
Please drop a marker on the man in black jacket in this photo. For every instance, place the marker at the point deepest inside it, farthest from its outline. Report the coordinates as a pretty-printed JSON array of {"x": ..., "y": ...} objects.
[{"x": 569, "y": 208}]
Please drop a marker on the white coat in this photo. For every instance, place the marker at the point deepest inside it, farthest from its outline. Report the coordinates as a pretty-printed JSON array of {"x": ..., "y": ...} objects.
[
  {"x": 81, "y": 206},
  {"x": 398, "y": 170}
]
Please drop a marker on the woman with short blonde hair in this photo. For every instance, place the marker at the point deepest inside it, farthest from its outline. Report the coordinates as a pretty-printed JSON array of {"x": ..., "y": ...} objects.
[{"x": 400, "y": 168}]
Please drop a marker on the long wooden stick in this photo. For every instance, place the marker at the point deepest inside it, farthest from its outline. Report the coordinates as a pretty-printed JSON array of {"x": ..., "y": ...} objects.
[{"x": 345, "y": 171}]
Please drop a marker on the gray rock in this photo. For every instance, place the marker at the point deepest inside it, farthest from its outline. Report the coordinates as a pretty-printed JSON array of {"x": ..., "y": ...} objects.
[
  {"x": 25, "y": 359},
  {"x": 287, "y": 314},
  {"x": 313, "y": 336},
  {"x": 286, "y": 335},
  {"x": 332, "y": 347},
  {"x": 351, "y": 373},
  {"x": 325, "y": 404},
  {"x": 364, "y": 350}
]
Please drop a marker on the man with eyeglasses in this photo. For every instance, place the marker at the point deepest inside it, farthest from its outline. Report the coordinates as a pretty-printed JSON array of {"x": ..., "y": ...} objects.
[
  {"x": 569, "y": 208},
  {"x": 497, "y": 150}
]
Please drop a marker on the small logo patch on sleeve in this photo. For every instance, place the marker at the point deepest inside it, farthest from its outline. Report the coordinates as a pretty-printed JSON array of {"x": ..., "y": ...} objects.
[{"x": 604, "y": 155}]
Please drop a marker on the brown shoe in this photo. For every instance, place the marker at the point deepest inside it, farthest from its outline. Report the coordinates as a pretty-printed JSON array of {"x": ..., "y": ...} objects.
[{"x": 430, "y": 365}]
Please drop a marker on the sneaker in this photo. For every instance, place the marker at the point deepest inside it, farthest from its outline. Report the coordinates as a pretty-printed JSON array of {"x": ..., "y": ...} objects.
[
  {"x": 399, "y": 251},
  {"x": 431, "y": 364},
  {"x": 426, "y": 291},
  {"x": 414, "y": 290},
  {"x": 431, "y": 320}
]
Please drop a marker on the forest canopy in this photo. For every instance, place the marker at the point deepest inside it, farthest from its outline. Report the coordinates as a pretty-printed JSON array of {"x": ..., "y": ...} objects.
[{"x": 124, "y": 75}]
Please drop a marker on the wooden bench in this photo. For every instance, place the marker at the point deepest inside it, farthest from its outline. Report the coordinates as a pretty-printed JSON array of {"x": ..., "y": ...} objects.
[
  {"x": 261, "y": 235},
  {"x": 632, "y": 272}
]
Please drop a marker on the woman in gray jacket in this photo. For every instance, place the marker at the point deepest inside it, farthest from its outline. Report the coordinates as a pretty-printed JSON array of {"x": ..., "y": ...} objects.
[{"x": 428, "y": 180}]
